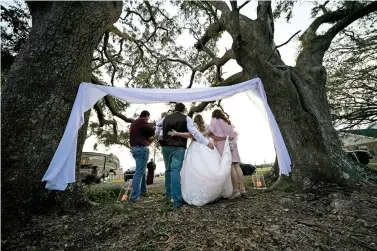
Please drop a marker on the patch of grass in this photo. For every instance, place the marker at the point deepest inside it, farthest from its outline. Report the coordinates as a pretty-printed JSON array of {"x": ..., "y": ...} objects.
[
  {"x": 373, "y": 166},
  {"x": 263, "y": 170},
  {"x": 101, "y": 193},
  {"x": 117, "y": 181}
]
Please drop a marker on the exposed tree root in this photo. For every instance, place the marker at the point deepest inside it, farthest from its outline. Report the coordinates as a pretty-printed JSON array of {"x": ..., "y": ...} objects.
[{"x": 284, "y": 183}]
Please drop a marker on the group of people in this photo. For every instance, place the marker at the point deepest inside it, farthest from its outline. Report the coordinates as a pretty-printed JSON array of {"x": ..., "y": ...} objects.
[{"x": 204, "y": 172}]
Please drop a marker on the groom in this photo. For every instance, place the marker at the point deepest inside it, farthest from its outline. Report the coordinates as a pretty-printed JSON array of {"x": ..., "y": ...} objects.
[{"x": 174, "y": 148}]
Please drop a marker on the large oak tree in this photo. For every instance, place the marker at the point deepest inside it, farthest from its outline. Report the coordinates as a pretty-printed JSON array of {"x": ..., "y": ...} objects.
[
  {"x": 297, "y": 95},
  {"x": 37, "y": 99},
  {"x": 58, "y": 56}
]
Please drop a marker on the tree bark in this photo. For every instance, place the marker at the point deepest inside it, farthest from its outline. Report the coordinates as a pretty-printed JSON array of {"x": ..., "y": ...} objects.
[
  {"x": 297, "y": 98},
  {"x": 37, "y": 99}
]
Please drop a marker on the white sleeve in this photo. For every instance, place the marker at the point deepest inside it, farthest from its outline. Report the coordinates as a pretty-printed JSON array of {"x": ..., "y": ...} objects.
[
  {"x": 159, "y": 127},
  {"x": 195, "y": 133}
]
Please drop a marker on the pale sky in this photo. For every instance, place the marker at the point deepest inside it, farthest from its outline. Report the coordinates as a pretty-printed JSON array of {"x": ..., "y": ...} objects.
[{"x": 255, "y": 142}]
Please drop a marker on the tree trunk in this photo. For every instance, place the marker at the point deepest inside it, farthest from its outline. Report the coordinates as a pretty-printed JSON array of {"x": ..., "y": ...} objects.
[
  {"x": 37, "y": 99},
  {"x": 273, "y": 174},
  {"x": 297, "y": 98}
]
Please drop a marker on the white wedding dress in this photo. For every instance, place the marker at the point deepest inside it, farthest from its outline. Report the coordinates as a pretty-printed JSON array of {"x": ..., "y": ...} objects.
[{"x": 205, "y": 175}]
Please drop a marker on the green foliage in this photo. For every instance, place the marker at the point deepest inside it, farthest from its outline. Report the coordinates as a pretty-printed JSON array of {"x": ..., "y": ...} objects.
[
  {"x": 101, "y": 193},
  {"x": 284, "y": 7},
  {"x": 351, "y": 63},
  {"x": 106, "y": 135},
  {"x": 154, "y": 59},
  {"x": 151, "y": 59},
  {"x": 15, "y": 29},
  {"x": 140, "y": 63}
]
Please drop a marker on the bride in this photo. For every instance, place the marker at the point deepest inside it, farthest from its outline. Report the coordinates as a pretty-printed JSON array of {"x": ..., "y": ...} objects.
[{"x": 205, "y": 175}]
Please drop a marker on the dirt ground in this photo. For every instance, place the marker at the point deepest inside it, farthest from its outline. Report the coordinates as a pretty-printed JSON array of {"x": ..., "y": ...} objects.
[{"x": 329, "y": 218}]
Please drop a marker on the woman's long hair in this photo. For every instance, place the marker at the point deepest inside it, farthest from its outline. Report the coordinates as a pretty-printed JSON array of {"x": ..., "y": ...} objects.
[
  {"x": 200, "y": 122},
  {"x": 218, "y": 114}
]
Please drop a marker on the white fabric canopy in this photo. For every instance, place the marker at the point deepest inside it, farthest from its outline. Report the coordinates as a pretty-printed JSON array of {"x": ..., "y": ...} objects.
[{"x": 61, "y": 171}]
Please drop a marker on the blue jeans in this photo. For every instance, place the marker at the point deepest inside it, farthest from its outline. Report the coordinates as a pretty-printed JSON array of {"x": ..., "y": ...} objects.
[
  {"x": 139, "y": 186},
  {"x": 173, "y": 158}
]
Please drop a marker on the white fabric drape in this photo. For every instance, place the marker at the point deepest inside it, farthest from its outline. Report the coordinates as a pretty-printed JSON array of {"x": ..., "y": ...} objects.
[{"x": 61, "y": 171}]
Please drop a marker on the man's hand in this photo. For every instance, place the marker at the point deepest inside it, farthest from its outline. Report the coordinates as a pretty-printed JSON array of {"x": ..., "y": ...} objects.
[
  {"x": 210, "y": 145},
  {"x": 172, "y": 133}
]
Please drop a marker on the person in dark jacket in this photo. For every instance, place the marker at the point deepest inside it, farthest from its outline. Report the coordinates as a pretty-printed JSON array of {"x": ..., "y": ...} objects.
[
  {"x": 174, "y": 148},
  {"x": 141, "y": 135},
  {"x": 151, "y": 166}
]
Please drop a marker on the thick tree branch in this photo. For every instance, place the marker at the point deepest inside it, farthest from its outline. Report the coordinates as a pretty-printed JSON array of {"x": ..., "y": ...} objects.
[
  {"x": 323, "y": 7},
  {"x": 109, "y": 103},
  {"x": 233, "y": 4},
  {"x": 199, "y": 108},
  {"x": 264, "y": 15},
  {"x": 219, "y": 74},
  {"x": 342, "y": 17},
  {"x": 211, "y": 32},
  {"x": 357, "y": 14},
  {"x": 113, "y": 29},
  {"x": 328, "y": 17},
  {"x": 192, "y": 78},
  {"x": 101, "y": 119},
  {"x": 109, "y": 57},
  {"x": 235, "y": 79},
  {"x": 315, "y": 46},
  {"x": 263, "y": 10},
  {"x": 217, "y": 61},
  {"x": 100, "y": 115}
]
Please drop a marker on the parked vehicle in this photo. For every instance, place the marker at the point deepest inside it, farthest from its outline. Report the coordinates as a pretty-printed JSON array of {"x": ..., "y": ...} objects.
[
  {"x": 95, "y": 167},
  {"x": 129, "y": 174}
]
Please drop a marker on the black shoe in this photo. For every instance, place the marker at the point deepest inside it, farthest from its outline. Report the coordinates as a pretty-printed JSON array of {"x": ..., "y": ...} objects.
[{"x": 144, "y": 194}]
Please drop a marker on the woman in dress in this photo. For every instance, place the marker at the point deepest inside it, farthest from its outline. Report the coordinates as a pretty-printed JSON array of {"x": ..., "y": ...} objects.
[
  {"x": 205, "y": 175},
  {"x": 221, "y": 127}
]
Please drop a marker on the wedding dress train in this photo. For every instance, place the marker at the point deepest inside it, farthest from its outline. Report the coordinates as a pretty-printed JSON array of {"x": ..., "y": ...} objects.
[{"x": 205, "y": 176}]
